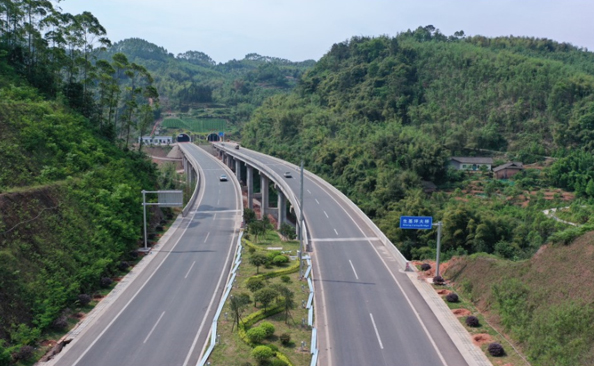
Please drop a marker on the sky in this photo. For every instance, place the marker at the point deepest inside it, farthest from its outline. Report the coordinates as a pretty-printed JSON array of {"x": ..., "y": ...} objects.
[{"x": 306, "y": 29}]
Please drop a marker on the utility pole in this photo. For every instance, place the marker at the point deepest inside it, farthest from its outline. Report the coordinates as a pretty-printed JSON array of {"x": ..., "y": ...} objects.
[{"x": 439, "y": 225}]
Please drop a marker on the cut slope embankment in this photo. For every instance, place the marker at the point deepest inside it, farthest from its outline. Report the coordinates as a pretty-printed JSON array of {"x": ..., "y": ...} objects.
[{"x": 545, "y": 303}]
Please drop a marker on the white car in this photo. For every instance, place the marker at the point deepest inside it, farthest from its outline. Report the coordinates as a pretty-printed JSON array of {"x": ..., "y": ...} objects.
[
  {"x": 288, "y": 175},
  {"x": 223, "y": 178}
]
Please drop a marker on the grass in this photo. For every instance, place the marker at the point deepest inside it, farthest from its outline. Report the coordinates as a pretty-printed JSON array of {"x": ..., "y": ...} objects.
[
  {"x": 232, "y": 350},
  {"x": 511, "y": 355},
  {"x": 199, "y": 125}
]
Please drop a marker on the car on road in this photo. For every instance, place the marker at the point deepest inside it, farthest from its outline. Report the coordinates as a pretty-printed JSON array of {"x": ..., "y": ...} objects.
[
  {"x": 288, "y": 175},
  {"x": 237, "y": 147},
  {"x": 223, "y": 178}
]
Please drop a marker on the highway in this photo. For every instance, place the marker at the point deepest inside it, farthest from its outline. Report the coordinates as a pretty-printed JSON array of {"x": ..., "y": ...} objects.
[
  {"x": 367, "y": 311},
  {"x": 165, "y": 314}
]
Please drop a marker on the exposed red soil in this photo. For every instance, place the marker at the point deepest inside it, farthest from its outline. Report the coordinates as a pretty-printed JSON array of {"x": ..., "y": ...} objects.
[
  {"x": 444, "y": 292},
  {"x": 48, "y": 343},
  {"x": 480, "y": 339},
  {"x": 461, "y": 312},
  {"x": 78, "y": 315}
]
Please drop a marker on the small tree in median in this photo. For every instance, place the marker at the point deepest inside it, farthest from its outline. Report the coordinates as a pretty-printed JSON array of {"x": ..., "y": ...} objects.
[
  {"x": 238, "y": 304},
  {"x": 258, "y": 259},
  {"x": 265, "y": 296},
  {"x": 249, "y": 216}
]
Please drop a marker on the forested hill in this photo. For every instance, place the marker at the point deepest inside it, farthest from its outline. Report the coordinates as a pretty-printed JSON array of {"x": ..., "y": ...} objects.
[
  {"x": 193, "y": 80},
  {"x": 378, "y": 110}
]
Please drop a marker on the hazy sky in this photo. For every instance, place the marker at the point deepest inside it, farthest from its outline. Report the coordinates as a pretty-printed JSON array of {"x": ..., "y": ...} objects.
[{"x": 306, "y": 29}]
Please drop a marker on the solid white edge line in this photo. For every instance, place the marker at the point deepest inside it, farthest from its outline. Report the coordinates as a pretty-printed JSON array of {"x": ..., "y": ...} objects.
[
  {"x": 196, "y": 204},
  {"x": 376, "y": 332},
  {"x": 233, "y": 239},
  {"x": 153, "y": 328},
  {"x": 192, "y": 266},
  {"x": 353, "y": 267},
  {"x": 391, "y": 274},
  {"x": 207, "y": 235}
]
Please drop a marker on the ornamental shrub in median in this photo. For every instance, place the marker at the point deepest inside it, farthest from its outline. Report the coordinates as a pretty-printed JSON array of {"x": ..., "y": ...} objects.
[
  {"x": 262, "y": 354},
  {"x": 256, "y": 335},
  {"x": 268, "y": 328}
]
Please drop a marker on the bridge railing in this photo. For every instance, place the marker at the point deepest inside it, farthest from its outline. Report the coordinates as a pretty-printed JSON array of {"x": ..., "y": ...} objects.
[{"x": 198, "y": 170}]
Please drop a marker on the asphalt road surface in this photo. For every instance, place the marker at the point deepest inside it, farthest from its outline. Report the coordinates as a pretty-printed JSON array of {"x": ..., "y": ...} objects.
[
  {"x": 164, "y": 316},
  {"x": 367, "y": 311}
]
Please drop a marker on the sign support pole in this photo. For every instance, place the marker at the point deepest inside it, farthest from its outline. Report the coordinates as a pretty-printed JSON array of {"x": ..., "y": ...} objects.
[
  {"x": 144, "y": 221},
  {"x": 439, "y": 224},
  {"x": 301, "y": 225}
]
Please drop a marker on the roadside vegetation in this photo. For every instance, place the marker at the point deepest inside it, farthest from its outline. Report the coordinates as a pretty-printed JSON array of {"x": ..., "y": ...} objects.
[
  {"x": 264, "y": 321},
  {"x": 70, "y": 183}
]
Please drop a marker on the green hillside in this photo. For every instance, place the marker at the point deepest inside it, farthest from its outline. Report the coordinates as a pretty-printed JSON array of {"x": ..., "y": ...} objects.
[
  {"x": 70, "y": 199},
  {"x": 193, "y": 83},
  {"x": 378, "y": 116}
]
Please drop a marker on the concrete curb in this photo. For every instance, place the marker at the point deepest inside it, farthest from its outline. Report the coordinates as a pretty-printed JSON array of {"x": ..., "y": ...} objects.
[{"x": 473, "y": 355}]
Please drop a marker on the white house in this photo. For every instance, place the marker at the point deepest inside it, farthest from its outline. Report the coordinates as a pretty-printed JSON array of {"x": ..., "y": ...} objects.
[{"x": 156, "y": 140}]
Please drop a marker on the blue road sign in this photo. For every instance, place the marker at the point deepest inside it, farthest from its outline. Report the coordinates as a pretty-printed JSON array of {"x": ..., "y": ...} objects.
[
  {"x": 416, "y": 222},
  {"x": 221, "y": 134}
]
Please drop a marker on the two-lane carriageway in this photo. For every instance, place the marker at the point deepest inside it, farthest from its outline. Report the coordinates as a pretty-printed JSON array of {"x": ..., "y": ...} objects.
[
  {"x": 367, "y": 310},
  {"x": 164, "y": 316}
]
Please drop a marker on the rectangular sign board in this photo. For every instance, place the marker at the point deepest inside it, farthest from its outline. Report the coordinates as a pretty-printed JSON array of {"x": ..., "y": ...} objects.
[
  {"x": 171, "y": 198},
  {"x": 416, "y": 222}
]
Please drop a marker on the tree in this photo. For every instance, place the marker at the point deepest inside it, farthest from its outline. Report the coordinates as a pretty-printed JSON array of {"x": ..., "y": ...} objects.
[
  {"x": 265, "y": 296},
  {"x": 258, "y": 259},
  {"x": 238, "y": 304},
  {"x": 257, "y": 228},
  {"x": 249, "y": 216},
  {"x": 287, "y": 301}
]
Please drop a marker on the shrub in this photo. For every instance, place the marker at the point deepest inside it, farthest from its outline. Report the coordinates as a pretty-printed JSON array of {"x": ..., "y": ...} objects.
[
  {"x": 60, "y": 323},
  {"x": 285, "y": 278},
  {"x": 271, "y": 255},
  {"x": 262, "y": 354},
  {"x": 496, "y": 350},
  {"x": 84, "y": 299},
  {"x": 159, "y": 228},
  {"x": 268, "y": 328},
  {"x": 256, "y": 335},
  {"x": 285, "y": 338},
  {"x": 438, "y": 280},
  {"x": 106, "y": 282},
  {"x": 273, "y": 347},
  {"x": 452, "y": 297},
  {"x": 133, "y": 254},
  {"x": 277, "y": 362},
  {"x": 24, "y": 353},
  {"x": 279, "y": 260},
  {"x": 425, "y": 267},
  {"x": 246, "y": 364},
  {"x": 251, "y": 250},
  {"x": 472, "y": 321},
  {"x": 123, "y": 265}
]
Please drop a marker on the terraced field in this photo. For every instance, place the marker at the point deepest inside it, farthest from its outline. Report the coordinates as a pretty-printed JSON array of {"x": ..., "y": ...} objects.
[{"x": 198, "y": 125}]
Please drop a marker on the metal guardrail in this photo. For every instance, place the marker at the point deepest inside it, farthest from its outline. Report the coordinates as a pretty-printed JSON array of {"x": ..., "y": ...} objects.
[
  {"x": 213, "y": 334},
  {"x": 279, "y": 182},
  {"x": 383, "y": 238}
]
